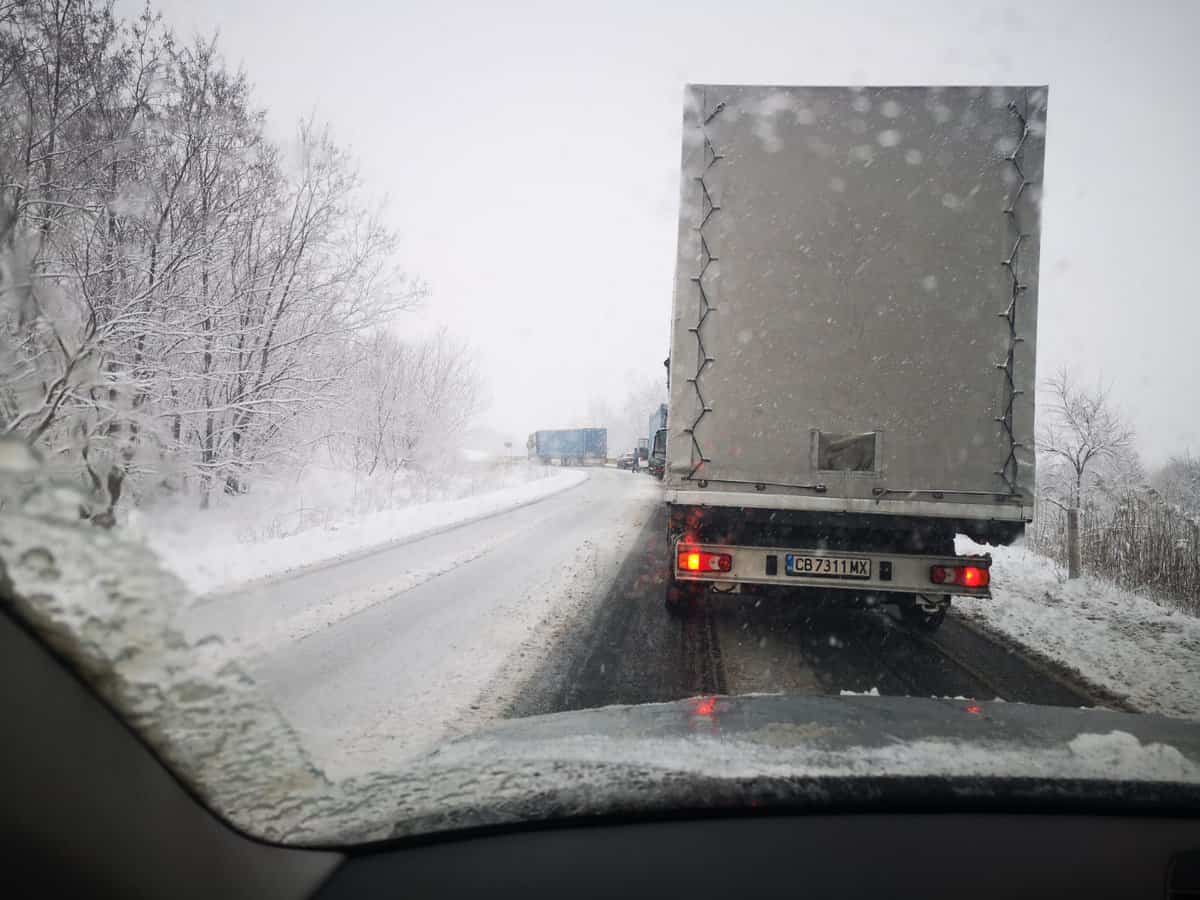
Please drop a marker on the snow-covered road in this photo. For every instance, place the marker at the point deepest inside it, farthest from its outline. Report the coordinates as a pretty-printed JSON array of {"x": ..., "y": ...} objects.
[
  {"x": 386, "y": 653},
  {"x": 558, "y": 605}
]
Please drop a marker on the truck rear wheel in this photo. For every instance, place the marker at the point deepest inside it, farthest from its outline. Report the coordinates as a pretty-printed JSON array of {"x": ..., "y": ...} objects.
[
  {"x": 682, "y": 596},
  {"x": 925, "y": 613}
]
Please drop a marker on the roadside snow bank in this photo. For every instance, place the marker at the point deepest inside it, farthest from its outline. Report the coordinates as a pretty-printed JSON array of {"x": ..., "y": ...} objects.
[
  {"x": 215, "y": 551},
  {"x": 1122, "y": 641}
]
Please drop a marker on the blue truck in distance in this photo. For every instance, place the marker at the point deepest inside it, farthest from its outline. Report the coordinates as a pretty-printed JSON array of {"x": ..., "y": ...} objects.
[{"x": 570, "y": 446}]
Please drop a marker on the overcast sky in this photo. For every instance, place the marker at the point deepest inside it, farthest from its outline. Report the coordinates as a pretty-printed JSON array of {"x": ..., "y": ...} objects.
[{"x": 531, "y": 155}]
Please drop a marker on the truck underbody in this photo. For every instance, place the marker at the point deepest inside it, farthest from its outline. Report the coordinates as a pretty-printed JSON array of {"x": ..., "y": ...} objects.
[{"x": 851, "y": 557}]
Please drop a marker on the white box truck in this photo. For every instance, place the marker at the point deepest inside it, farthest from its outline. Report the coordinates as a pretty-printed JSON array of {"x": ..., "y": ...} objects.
[{"x": 853, "y": 339}]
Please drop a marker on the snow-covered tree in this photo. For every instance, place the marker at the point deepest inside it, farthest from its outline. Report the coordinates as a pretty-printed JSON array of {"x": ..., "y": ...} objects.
[
  {"x": 1085, "y": 444},
  {"x": 177, "y": 288},
  {"x": 408, "y": 403},
  {"x": 1178, "y": 481},
  {"x": 628, "y": 419}
]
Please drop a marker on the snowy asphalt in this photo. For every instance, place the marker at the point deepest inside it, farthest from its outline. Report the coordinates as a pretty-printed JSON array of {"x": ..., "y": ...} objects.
[
  {"x": 628, "y": 650},
  {"x": 558, "y": 605}
]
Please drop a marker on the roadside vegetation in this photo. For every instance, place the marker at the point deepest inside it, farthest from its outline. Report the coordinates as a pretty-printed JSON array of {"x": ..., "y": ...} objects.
[
  {"x": 188, "y": 305},
  {"x": 1100, "y": 512}
]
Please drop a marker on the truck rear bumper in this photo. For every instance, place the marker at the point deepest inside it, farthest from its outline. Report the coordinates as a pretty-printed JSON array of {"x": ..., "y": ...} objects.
[
  {"x": 905, "y": 573},
  {"x": 934, "y": 509}
]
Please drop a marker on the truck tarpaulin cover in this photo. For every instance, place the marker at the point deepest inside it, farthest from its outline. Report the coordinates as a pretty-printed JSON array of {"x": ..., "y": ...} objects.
[{"x": 858, "y": 262}]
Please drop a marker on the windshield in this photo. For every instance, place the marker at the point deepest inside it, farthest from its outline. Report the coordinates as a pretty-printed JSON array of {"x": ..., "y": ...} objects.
[{"x": 377, "y": 382}]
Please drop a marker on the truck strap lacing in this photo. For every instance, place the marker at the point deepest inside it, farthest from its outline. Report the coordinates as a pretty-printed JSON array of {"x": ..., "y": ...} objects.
[
  {"x": 1008, "y": 472},
  {"x": 708, "y": 207}
]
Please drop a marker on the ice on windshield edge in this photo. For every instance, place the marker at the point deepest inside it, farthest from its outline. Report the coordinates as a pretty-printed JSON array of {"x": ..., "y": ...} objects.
[{"x": 106, "y": 605}]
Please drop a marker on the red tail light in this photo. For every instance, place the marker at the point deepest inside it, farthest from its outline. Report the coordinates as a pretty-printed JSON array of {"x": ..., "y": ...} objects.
[
  {"x": 693, "y": 560},
  {"x": 974, "y": 577},
  {"x": 964, "y": 576}
]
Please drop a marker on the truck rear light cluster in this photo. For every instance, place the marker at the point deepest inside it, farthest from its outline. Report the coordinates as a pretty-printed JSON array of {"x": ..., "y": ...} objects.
[
  {"x": 693, "y": 560},
  {"x": 963, "y": 576}
]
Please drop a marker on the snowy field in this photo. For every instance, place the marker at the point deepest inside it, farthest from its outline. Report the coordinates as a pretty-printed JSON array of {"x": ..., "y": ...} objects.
[
  {"x": 1124, "y": 642},
  {"x": 320, "y": 515}
]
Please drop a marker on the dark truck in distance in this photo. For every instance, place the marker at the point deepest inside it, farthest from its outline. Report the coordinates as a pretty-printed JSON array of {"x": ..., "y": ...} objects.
[
  {"x": 658, "y": 440},
  {"x": 569, "y": 446},
  {"x": 853, "y": 340},
  {"x": 658, "y": 453}
]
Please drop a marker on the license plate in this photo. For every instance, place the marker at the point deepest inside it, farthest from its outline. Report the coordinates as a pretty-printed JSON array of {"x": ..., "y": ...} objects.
[{"x": 827, "y": 566}]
